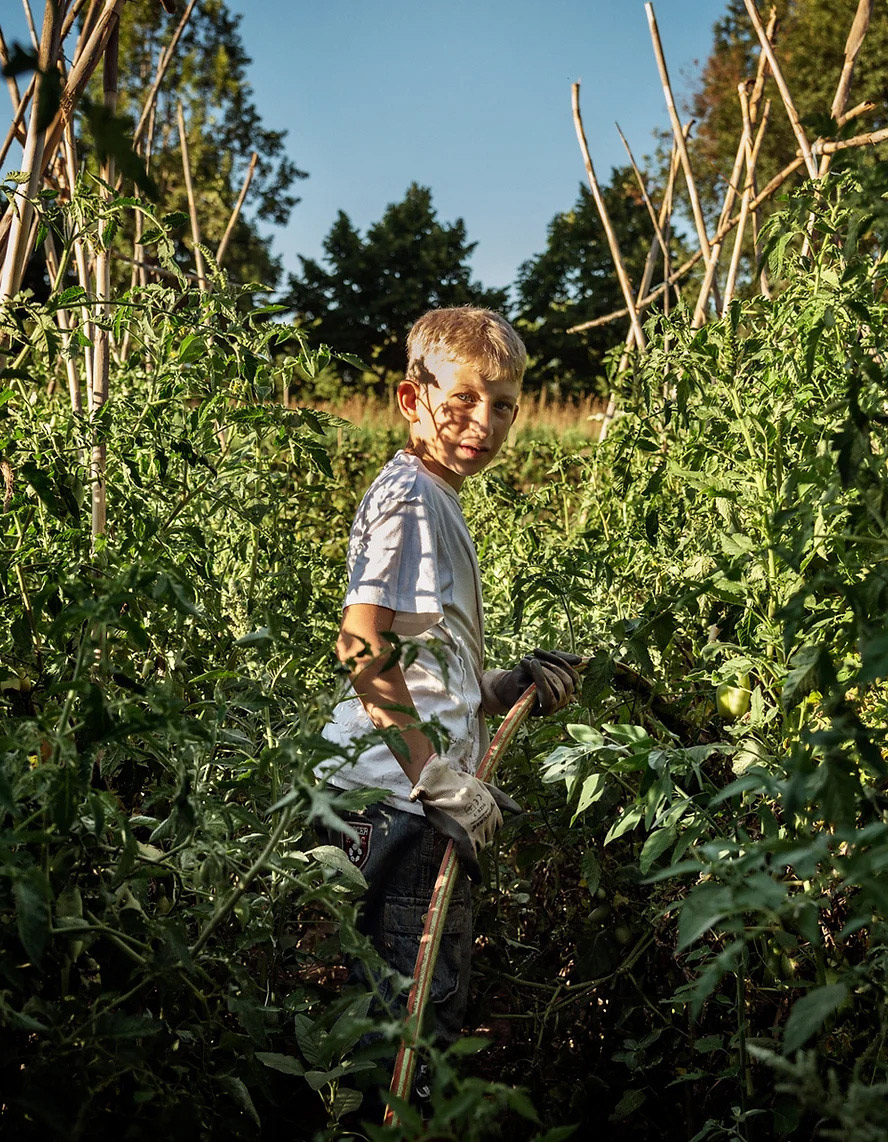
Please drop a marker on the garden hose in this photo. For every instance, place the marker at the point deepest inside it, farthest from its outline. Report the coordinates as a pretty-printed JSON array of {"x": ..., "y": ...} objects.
[{"x": 430, "y": 941}]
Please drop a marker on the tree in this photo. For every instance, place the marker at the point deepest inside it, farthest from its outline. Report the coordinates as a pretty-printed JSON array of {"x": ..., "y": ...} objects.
[
  {"x": 223, "y": 127},
  {"x": 573, "y": 281},
  {"x": 371, "y": 289},
  {"x": 810, "y": 42}
]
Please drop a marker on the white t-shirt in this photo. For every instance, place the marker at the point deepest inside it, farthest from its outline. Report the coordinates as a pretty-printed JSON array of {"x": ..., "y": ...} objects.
[{"x": 409, "y": 550}]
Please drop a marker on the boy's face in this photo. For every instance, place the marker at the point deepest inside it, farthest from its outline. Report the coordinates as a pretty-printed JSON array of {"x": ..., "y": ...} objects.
[{"x": 459, "y": 420}]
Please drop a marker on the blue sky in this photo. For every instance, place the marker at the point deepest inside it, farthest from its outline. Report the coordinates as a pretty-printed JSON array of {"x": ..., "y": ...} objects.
[{"x": 468, "y": 97}]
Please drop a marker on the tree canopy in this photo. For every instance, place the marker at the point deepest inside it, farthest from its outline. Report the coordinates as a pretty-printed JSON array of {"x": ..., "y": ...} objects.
[
  {"x": 809, "y": 41},
  {"x": 369, "y": 290}
]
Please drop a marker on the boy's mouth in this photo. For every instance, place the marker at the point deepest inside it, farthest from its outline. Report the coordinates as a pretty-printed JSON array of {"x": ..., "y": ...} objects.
[{"x": 474, "y": 450}]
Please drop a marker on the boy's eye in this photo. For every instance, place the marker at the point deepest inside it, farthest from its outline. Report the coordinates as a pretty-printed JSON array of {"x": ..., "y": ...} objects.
[{"x": 466, "y": 398}]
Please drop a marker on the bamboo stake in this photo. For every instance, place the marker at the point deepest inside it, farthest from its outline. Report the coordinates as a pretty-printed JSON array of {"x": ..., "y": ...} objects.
[
  {"x": 762, "y": 68},
  {"x": 870, "y": 139},
  {"x": 70, "y": 152},
  {"x": 18, "y": 244},
  {"x": 753, "y": 210},
  {"x": 85, "y": 63},
  {"x": 101, "y": 347},
  {"x": 606, "y": 222},
  {"x": 731, "y": 190},
  {"x": 223, "y": 245},
  {"x": 163, "y": 64},
  {"x": 29, "y": 17},
  {"x": 430, "y": 941},
  {"x": 66, "y": 325},
  {"x": 744, "y": 205},
  {"x": 192, "y": 206},
  {"x": 652, "y": 214},
  {"x": 647, "y": 276},
  {"x": 853, "y": 44},
  {"x": 697, "y": 210},
  {"x": 791, "y": 112}
]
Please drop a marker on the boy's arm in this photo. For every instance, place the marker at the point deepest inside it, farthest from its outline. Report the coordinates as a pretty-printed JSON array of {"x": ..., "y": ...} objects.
[{"x": 363, "y": 627}]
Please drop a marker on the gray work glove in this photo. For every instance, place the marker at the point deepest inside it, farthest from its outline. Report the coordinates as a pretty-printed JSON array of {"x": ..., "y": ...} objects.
[
  {"x": 551, "y": 670},
  {"x": 461, "y": 808}
]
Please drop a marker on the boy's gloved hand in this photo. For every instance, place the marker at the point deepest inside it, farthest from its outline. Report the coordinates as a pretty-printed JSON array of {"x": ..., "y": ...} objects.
[
  {"x": 462, "y": 808},
  {"x": 552, "y": 671}
]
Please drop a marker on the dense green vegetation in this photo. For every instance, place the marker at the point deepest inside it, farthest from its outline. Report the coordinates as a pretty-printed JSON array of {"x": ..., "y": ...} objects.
[{"x": 684, "y": 933}]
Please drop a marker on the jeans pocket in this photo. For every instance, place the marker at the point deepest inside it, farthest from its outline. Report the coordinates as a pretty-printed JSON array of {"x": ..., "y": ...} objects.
[{"x": 403, "y": 924}]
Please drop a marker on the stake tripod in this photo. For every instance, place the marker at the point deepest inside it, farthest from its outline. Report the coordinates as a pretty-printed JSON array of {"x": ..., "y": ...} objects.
[{"x": 430, "y": 942}]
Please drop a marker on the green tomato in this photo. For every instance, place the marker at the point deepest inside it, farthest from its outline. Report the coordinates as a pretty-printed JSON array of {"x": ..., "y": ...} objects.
[{"x": 732, "y": 701}]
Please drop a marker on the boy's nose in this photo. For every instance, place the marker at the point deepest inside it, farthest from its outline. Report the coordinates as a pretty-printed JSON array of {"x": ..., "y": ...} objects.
[{"x": 482, "y": 417}]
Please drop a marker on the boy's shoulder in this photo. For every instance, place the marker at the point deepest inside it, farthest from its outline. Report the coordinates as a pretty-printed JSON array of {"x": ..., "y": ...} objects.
[{"x": 402, "y": 480}]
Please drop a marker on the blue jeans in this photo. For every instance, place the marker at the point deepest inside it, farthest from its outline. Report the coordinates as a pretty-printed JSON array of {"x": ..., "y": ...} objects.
[{"x": 399, "y": 855}]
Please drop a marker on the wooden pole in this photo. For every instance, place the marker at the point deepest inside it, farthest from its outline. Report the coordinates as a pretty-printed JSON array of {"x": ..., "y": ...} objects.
[
  {"x": 774, "y": 64},
  {"x": 648, "y": 276},
  {"x": 223, "y": 245},
  {"x": 652, "y": 214},
  {"x": 163, "y": 64},
  {"x": 606, "y": 222},
  {"x": 66, "y": 325},
  {"x": 829, "y": 147},
  {"x": 85, "y": 63},
  {"x": 744, "y": 205},
  {"x": 20, "y": 232},
  {"x": 677, "y": 133},
  {"x": 71, "y": 167},
  {"x": 731, "y": 189},
  {"x": 853, "y": 44},
  {"x": 29, "y": 20},
  {"x": 101, "y": 346},
  {"x": 192, "y": 205}
]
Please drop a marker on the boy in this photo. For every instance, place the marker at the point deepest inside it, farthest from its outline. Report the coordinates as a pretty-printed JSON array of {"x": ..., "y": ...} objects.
[{"x": 413, "y": 572}]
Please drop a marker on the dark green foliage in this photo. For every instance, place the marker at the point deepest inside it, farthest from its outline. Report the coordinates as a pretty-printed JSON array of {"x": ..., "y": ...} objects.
[
  {"x": 810, "y": 44},
  {"x": 373, "y": 288},
  {"x": 685, "y": 935}
]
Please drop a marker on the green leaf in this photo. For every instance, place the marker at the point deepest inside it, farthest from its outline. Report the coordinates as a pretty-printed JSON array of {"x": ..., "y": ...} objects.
[
  {"x": 627, "y": 820},
  {"x": 241, "y": 1096},
  {"x": 286, "y": 1064},
  {"x": 30, "y": 889},
  {"x": 656, "y": 844},
  {"x": 586, "y": 735},
  {"x": 69, "y": 297},
  {"x": 346, "y": 1102},
  {"x": 630, "y": 1101},
  {"x": 810, "y": 1013},
  {"x": 592, "y": 789},
  {"x": 707, "y": 904},
  {"x": 46, "y": 489},
  {"x": 590, "y": 870},
  {"x": 335, "y": 859},
  {"x": 803, "y": 676}
]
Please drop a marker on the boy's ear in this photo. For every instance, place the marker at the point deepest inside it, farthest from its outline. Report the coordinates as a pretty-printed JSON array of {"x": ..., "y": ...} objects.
[
  {"x": 408, "y": 396},
  {"x": 515, "y": 413}
]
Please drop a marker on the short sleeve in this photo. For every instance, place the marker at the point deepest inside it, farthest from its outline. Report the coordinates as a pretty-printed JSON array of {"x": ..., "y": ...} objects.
[{"x": 393, "y": 559}]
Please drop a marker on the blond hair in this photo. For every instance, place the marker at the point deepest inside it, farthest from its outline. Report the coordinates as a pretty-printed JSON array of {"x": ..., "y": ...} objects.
[{"x": 479, "y": 338}]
